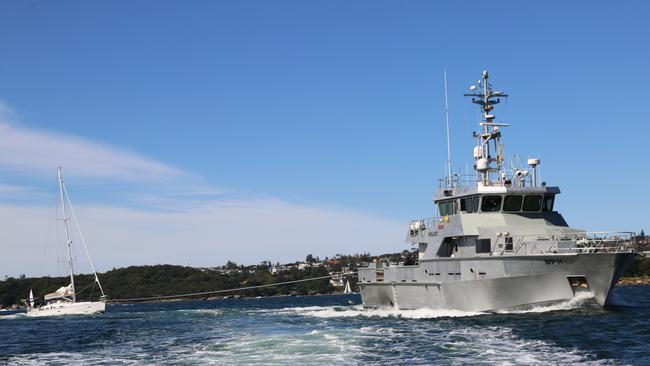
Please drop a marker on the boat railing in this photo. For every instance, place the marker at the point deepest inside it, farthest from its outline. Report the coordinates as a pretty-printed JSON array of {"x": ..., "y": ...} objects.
[
  {"x": 470, "y": 180},
  {"x": 579, "y": 242},
  {"x": 418, "y": 227},
  {"x": 458, "y": 180},
  {"x": 606, "y": 241}
]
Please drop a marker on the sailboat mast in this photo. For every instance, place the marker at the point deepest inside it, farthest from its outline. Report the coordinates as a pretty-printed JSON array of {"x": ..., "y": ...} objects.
[{"x": 67, "y": 235}]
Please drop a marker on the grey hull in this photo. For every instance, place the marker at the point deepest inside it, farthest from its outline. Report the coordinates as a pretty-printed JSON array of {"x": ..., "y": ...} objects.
[{"x": 523, "y": 281}]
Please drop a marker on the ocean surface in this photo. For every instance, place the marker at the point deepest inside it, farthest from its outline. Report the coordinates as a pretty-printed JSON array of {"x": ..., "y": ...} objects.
[{"x": 326, "y": 330}]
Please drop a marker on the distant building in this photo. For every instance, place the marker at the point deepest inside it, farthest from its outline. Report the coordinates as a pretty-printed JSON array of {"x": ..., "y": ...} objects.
[
  {"x": 227, "y": 271},
  {"x": 276, "y": 269}
]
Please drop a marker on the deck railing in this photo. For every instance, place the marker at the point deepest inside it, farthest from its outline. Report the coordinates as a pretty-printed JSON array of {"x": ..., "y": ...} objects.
[
  {"x": 470, "y": 180},
  {"x": 574, "y": 242},
  {"x": 418, "y": 227},
  {"x": 579, "y": 242}
]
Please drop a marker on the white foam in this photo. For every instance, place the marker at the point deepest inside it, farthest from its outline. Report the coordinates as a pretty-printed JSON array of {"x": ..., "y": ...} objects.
[
  {"x": 575, "y": 302},
  {"x": 500, "y": 345},
  {"x": 334, "y": 346},
  {"x": 359, "y": 311},
  {"x": 208, "y": 312},
  {"x": 69, "y": 358},
  {"x": 13, "y": 316}
]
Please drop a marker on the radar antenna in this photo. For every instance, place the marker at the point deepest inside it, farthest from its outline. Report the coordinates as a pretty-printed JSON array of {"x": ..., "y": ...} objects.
[
  {"x": 447, "y": 124},
  {"x": 489, "y": 139}
]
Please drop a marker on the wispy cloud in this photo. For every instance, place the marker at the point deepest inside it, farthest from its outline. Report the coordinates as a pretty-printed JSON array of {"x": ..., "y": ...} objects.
[
  {"x": 10, "y": 189},
  {"x": 28, "y": 150}
]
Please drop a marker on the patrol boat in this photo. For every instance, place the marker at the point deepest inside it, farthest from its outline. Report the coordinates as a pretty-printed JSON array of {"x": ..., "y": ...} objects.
[{"x": 497, "y": 242}]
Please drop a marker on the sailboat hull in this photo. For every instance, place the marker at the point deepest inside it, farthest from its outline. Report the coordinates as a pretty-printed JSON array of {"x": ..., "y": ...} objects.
[{"x": 69, "y": 308}]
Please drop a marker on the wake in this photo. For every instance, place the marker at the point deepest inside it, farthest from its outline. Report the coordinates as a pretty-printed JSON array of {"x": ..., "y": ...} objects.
[
  {"x": 578, "y": 301},
  {"x": 358, "y": 311}
]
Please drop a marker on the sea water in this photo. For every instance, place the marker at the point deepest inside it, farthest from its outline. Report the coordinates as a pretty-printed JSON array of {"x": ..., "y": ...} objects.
[{"x": 326, "y": 330}]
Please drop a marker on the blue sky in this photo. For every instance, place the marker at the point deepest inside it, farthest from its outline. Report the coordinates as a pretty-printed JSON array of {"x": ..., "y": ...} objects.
[{"x": 168, "y": 115}]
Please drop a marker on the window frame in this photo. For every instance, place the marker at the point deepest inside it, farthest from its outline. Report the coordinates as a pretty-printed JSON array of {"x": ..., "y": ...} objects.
[
  {"x": 486, "y": 197},
  {"x": 442, "y": 208},
  {"x": 545, "y": 198},
  {"x": 511, "y": 196},
  {"x": 451, "y": 207},
  {"x": 539, "y": 207},
  {"x": 476, "y": 200}
]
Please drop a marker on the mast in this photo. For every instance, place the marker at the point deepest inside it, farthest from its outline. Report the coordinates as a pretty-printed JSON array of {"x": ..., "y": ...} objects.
[
  {"x": 489, "y": 139},
  {"x": 447, "y": 124},
  {"x": 67, "y": 235}
]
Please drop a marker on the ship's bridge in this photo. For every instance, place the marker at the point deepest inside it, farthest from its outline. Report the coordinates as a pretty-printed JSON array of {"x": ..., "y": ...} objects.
[
  {"x": 498, "y": 206},
  {"x": 485, "y": 199}
]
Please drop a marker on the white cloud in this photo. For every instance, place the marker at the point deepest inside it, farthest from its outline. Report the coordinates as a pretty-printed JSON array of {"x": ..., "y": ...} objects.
[
  {"x": 33, "y": 151},
  {"x": 10, "y": 189},
  {"x": 243, "y": 231}
]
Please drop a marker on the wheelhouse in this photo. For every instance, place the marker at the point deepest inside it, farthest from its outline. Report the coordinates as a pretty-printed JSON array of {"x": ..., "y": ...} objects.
[{"x": 506, "y": 203}]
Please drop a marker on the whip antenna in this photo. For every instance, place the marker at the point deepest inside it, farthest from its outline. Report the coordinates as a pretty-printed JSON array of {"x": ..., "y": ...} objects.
[{"x": 447, "y": 124}]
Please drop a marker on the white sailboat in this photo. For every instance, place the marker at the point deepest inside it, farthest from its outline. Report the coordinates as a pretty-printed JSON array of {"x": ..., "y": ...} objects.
[
  {"x": 347, "y": 289},
  {"x": 64, "y": 300}
]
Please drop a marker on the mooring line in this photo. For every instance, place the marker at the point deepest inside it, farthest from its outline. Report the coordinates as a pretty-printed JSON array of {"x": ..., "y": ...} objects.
[{"x": 162, "y": 297}]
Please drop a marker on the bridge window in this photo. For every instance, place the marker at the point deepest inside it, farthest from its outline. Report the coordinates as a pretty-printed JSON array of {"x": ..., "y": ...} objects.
[
  {"x": 491, "y": 203},
  {"x": 547, "y": 205},
  {"x": 473, "y": 207},
  {"x": 447, "y": 207},
  {"x": 512, "y": 203},
  {"x": 469, "y": 204},
  {"x": 532, "y": 203}
]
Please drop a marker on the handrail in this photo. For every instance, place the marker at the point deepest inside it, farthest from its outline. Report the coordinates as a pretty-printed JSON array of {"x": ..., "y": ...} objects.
[
  {"x": 458, "y": 180},
  {"x": 466, "y": 180},
  {"x": 581, "y": 242},
  {"x": 417, "y": 227}
]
